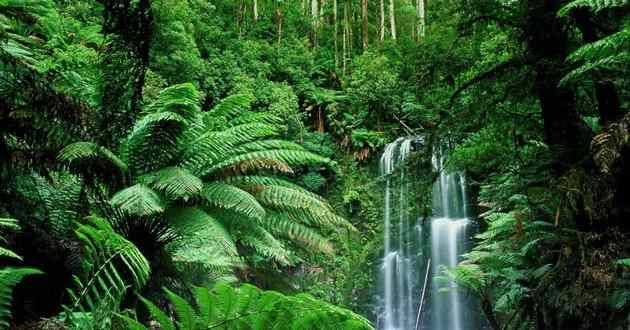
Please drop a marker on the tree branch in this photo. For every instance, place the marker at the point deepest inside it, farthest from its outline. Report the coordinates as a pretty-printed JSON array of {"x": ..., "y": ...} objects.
[{"x": 511, "y": 63}]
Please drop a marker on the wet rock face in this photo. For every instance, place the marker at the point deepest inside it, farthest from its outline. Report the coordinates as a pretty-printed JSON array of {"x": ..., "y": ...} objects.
[{"x": 417, "y": 143}]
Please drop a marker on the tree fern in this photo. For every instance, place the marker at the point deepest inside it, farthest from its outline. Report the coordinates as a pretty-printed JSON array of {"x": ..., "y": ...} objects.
[
  {"x": 595, "y": 5},
  {"x": 200, "y": 235},
  {"x": 82, "y": 152},
  {"x": 248, "y": 307},
  {"x": 7, "y": 224},
  {"x": 113, "y": 264},
  {"x": 174, "y": 182},
  {"x": 233, "y": 198},
  {"x": 9, "y": 278},
  {"x": 222, "y": 162},
  {"x": 139, "y": 200}
]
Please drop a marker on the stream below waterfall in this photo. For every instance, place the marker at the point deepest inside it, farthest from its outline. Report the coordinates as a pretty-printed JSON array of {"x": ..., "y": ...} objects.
[{"x": 413, "y": 293}]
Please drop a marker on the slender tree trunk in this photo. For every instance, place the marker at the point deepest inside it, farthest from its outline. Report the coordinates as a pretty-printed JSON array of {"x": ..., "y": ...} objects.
[
  {"x": 336, "y": 33},
  {"x": 279, "y": 19},
  {"x": 421, "y": 9},
  {"x": 315, "y": 20},
  {"x": 392, "y": 18},
  {"x": 351, "y": 22},
  {"x": 255, "y": 10},
  {"x": 364, "y": 15},
  {"x": 382, "y": 24},
  {"x": 345, "y": 36}
]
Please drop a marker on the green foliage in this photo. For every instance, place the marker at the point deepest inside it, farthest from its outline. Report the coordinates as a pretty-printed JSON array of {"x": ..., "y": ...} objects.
[
  {"x": 9, "y": 278},
  {"x": 112, "y": 264},
  {"x": 176, "y": 152},
  {"x": 248, "y": 307},
  {"x": 609, "y": 54}
]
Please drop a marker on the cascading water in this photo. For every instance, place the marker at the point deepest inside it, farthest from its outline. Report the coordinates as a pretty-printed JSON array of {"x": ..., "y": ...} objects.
[
  {"x": 404, "y": 263},
  {"x": 449, "y": 308},
  {"x": 399, "y": 268}
]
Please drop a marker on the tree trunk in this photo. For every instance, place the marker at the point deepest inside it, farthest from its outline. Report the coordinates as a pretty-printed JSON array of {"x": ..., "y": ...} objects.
[
  {"x": 392, "y": 18},
  {"x": 382, "y": 23},
  {"x": 279, "y": 20},
  {"x": 564, "y": 131},
  {"x": 336, "y": 33},
  {"x": 345, "y": 36},
  {"x": 255, "y": 10},
  {"x": 608, "y": 103},
  {"x": 421, "y": 8},
  {"x": 315, "y": 20},
  {"x": 364, "y": 15}
]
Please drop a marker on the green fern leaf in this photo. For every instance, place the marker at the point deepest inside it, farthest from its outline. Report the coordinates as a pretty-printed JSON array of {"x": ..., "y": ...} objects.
[
  {"x": 9, "y": 278},
  {"x": 233, "y": 198},
  {"x": 138, "y": 200},
  {"x": 174, "y": 182}
]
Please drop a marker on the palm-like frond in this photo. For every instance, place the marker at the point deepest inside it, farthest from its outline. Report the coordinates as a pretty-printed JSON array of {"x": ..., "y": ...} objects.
[
  {"x": 281, "y": 224},
  {"x": 9, "y": 278},
  {"x": 139, "y": 200},
  {"x": 174, "y": 182},
  {"x": 182, "y": 99},
  {"x": 114, "y": 264},
  {"x": 595, "y": 5},
  {"x": 206, "y": 149},
  {"x": 608, "y": 54},
  {"x": 10, "y": 224},
  {"x": 81, "y": 152},
  {"x": 234, "y": 199},
  {"x": 266, "y": 245},
  {"x": 248, "y": 307},
  {"x": 200, "y": 234},
  {"x": 227, "y": 109},
  {"x": 289, "y": 157},
  {"x": 222, "y": 162}
]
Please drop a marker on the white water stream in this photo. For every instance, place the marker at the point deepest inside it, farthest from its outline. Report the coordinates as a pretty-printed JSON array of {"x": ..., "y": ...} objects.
[{"x": 404, "y": 263}]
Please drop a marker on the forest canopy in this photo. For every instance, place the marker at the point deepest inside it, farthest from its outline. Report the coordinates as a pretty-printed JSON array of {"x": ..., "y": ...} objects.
[{"x": 201, "y": 164}]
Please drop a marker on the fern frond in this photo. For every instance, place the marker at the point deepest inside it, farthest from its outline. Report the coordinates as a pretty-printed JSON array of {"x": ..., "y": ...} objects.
[
  {"x": 181, "y": 99},
  {"x": 607, "y": 54},
  {"x": 201, "y": 238},
  {"x": 595, "y": 5},
  {"x": 233, "y": 198},
  {"x": 109, "y": 255},
  {"x": 10, "y": 224},
  {"x": 90, "y": 152},
  {"x": 284, "y": 197},
  {"x": 227, "y": 108},
  {"x": 252, "y": 165},
  {"x": 206, "y": 149},
  {"x": 290, "y": 157},
  {"x": 138, "y": 200},
  {"x": 152, "y": 144},
  {"x": 255, "y": 182},
  {"x": 256, "y": 117},
  {"x": 174, "y": 182},
  {"x": 9, "y": 278},
  {"x": 186, "y": 314},
  {"x": 263, "y": 145},
  {"x": 266, "y": 245},
  {"x": 281, "y": 224},
  {"x": 248, "y": 307}
]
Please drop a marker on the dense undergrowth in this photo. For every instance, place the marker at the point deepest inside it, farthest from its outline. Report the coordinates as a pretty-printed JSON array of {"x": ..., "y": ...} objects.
[{"x": 152, "y": 151}]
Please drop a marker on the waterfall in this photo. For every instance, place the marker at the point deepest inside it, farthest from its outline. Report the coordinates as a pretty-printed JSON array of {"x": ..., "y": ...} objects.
[
  {"x": 399, "y": 267},
  {"x": 444, "y": 238},
  {"x": 450, "y": 308}
]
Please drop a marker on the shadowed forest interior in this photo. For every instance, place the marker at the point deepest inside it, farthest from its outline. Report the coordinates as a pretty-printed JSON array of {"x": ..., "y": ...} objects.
[{"x": 315, "y": 164}]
